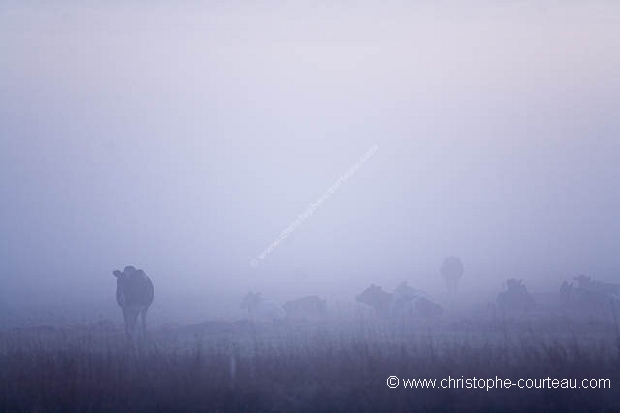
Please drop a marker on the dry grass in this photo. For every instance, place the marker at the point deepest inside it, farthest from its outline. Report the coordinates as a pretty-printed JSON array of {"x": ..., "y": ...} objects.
[{"x": 283, "y": 369}]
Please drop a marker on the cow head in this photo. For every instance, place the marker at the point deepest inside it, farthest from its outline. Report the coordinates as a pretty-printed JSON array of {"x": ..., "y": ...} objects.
[{"x": 129, "y": 269}]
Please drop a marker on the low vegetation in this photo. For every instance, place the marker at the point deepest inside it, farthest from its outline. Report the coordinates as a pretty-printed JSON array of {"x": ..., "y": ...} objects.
[{"x": 337, "y": 367}]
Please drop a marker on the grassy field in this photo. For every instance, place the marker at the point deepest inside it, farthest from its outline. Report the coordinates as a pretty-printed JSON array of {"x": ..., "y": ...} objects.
[{"x": 337, "y": 366}]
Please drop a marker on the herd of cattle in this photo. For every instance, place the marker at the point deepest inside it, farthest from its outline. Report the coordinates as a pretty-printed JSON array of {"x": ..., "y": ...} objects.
[
  {"x": 135, "y": 294},
  {"x": 585, "y": 295}
]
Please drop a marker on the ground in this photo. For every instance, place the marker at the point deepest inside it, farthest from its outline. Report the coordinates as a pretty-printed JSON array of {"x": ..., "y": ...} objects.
[{"x": 340, "y": 364}]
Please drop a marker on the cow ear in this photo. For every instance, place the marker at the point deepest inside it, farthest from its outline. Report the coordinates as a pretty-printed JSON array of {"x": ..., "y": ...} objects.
[{"x": 116, "y": 273}]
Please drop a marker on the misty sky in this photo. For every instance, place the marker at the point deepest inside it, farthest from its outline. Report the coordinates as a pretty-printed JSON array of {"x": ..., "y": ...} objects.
[{"x": 184, "y": 138}]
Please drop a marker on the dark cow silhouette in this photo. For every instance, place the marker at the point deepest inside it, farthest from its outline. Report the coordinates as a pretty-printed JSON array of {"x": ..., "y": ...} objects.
[
  {"x": 308, "y": 308},
  {"x": 410, "y": 301},
  {"x": 134, "y": 294},
  {"x": 515, "y": 298},
  {"x": 375, "y": 297},
  {"x": 587, "y": 283},
  {"x": 404, "y": 302},
  {"x": 589, "y": 294}
]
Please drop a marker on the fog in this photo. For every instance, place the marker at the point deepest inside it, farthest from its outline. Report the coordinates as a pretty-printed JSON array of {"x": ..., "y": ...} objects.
[{"x": 184, "y": 139}]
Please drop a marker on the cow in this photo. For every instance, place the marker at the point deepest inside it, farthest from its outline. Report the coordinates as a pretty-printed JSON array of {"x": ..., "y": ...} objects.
[
  {"x": 589, "y": 294},
  {"x": 515, "y": 298},
  {"x": 404, "y": 302},
  {"x": 378, "y": 299},
  {"x": 308, "y": 308},
  {"x": 261, "y": 309},
  {"x": 410, "y": 301},
  {"x": 452, "y": 270},
  {"x": 134, "y": 294},
  {"x": 586, "y": 282}
]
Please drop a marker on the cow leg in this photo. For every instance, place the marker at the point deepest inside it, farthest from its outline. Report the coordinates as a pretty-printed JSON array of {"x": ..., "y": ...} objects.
[
  {"x": 143, "y": 325},
  {"x": 131, "y": 320},
  {"x": 127, "y": 320}
]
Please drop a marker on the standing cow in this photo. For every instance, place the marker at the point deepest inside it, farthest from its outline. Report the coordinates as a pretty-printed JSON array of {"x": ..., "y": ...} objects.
[
  {"x": 308, "y": 308},
  {"x": 516, "y": 298},
  {"x": 452, "y": 270},
  {"x": 405, "y": 302},
  {"x": 134, "y": 294}
]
